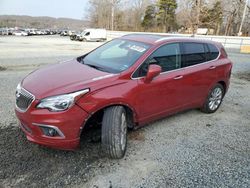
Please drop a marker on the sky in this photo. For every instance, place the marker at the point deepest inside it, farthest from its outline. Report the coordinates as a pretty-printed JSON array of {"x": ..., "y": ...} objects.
[{"x": 54, "y": 8}]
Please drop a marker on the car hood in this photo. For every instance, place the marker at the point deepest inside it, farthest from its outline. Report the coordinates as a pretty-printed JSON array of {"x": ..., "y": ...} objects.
[{"x": 62, "y": 78}]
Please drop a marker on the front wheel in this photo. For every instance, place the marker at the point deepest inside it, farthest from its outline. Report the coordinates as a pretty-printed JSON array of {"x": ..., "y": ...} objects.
[
  {"x": 114, "y": 132},
  {"x": 214, "y": 99}
]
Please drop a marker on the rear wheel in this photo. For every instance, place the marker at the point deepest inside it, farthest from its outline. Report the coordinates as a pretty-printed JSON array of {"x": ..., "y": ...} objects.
[
  {"x": 114, "y": 132},
  {"x": 214, "y": 99}
]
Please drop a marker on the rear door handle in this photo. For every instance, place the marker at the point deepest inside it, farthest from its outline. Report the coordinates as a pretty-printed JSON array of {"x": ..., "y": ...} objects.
[
  {"x": 178, "y": 77},
  {"x": 212, "y": 67}
]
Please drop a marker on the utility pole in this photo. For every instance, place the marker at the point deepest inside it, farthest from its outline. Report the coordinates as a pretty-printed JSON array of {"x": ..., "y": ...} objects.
[
  {"x": 243, "y": 18},
  {"x": 112, "y": 14}
]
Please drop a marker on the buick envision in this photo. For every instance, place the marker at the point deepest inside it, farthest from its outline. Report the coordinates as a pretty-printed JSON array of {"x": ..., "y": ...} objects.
[{"x": 122, "y": 84}]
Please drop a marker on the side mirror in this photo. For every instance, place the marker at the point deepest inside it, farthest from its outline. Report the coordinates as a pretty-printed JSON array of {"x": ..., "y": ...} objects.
[{"x": 153, "y": 71}]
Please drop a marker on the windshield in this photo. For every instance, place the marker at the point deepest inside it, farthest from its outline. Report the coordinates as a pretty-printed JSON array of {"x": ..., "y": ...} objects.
[
  {"x": 83, "y": 33},
  {"x": 116, "y": 55}
]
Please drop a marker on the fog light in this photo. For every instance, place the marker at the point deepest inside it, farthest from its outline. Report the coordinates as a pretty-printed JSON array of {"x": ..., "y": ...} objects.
[{"x": 48, "y": 131}]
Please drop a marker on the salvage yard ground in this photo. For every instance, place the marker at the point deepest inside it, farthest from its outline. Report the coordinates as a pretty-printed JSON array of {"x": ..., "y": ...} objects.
[{"x": 189, "y": 149}]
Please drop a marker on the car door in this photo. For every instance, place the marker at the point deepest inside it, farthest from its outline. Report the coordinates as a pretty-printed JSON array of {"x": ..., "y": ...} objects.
[
  {"x": 199, "y": 70},
  {"x": 163, "y": 94}
]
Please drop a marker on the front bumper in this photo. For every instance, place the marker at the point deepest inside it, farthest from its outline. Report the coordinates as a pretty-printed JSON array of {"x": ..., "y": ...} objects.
[{"x": 69, "y": 122}]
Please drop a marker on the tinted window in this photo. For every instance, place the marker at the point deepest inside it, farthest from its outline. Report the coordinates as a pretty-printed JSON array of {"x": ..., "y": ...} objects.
[
  {"x": 213, "y": 52},
  {"x": 193, "y": 53},
  {"x": 167, "y": 56}
]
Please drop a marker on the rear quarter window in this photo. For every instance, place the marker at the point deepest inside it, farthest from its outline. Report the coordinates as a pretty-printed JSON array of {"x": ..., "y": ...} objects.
[{"x": 213, "y": 52}]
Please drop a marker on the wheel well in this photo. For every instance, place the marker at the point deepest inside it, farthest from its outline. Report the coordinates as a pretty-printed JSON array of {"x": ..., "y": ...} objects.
[
  {"x": 224, "y": 85},
  {"x": 95, "y": 120}
]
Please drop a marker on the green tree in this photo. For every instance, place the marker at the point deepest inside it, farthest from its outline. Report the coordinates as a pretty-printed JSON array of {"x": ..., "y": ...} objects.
[
  {"x": 149, "y": 18},
  {"x": 166, "y": 14}
]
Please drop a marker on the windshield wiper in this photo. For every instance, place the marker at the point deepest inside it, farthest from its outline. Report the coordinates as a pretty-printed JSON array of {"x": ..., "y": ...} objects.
[{"x": 96, "y": 67}]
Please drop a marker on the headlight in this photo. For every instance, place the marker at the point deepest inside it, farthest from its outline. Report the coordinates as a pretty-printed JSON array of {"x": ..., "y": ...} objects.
[
  {"x": 61, "y": 102},
  {"x": 18, "y": 87},
  {"x": 18, "y": 90}
]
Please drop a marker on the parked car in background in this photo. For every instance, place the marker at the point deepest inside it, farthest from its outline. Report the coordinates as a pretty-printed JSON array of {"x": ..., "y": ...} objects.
[
  {"x": 20, "y": 33},
  {"x": 4, "y": 31},
  {"x": 122, "y": 84},
  {"x": 26, "y": 31},
  {"x": 64, "y": 33},
  {"x": 71, "y": 32},
  {"x": 33, "y": 31},
  {"x": 9, "y": 31},
  {"x": 97, "y": 35},
  {"x": 53, "y": 32},
  {"x": 38, "y": 32},
  {"x": 1, "y": 31},
  {"x": 75, "y": 36},
  {"x": 43, "y": 32}
]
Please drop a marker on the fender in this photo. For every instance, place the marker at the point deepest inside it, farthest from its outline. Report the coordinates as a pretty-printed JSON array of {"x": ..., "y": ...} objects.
[{"x": 110, "y": 96}]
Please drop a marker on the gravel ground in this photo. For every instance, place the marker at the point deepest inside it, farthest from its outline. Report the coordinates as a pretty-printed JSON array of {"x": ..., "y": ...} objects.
[{"x": 189, "y": 149}]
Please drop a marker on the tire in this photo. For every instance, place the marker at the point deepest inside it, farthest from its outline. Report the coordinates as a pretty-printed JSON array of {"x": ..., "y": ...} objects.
[
  {"x": 84, "y": 40},
  {"x": 114, "y": 132},
  {"x": 214, "y": 99}
]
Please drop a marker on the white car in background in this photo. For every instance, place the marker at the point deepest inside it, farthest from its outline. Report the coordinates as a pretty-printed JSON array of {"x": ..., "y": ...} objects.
[
  {"x": 38, "y": 32},
  {"x": 98, "y": 35},
  {"x": 20, "y": 33},
  {"x": 33, "y": 31}
]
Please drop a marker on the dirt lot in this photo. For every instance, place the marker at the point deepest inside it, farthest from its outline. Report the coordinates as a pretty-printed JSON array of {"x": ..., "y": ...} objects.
[{"x": 190, "y": 149}]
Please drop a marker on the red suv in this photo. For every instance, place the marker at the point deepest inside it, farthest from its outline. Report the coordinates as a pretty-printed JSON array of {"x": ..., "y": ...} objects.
[{"x": 122, "y": 84}]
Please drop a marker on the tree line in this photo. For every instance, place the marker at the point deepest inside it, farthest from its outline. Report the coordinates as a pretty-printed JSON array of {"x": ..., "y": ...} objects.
[{"x": 220, "y": 17}]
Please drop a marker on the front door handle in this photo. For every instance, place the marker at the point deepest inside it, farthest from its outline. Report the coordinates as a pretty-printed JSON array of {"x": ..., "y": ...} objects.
[
  {"x": 212, "y": 67},
  {"x": 178, "y": 77}
]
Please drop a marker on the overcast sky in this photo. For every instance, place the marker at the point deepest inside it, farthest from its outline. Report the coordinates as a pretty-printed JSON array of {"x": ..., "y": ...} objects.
[{"x": 54, "y": 8}]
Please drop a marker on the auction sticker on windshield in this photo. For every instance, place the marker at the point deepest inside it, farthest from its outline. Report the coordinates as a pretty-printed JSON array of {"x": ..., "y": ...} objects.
[{"x": 137, "y": 48}]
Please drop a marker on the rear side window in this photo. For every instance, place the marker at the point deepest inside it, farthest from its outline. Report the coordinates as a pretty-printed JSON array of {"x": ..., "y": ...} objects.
[
  {"x": 193, "y": 53},
  {"x": 213, "y": 52}
]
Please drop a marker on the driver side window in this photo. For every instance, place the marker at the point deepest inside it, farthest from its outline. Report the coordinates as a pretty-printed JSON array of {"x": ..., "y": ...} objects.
[{"x": 167, "y": 56}]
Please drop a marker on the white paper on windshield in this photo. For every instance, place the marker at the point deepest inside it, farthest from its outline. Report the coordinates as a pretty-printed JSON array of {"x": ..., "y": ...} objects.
[{"x": 137, "y": 48}]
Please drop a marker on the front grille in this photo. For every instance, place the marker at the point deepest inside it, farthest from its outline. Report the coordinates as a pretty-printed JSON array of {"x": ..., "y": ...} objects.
[{"x": 23, "y": 99}]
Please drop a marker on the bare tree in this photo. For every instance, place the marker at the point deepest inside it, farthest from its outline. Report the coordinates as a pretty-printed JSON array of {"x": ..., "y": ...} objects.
[
  {"x": 232, "y": 14},
  {"x": 102, "y": 13},
  {"x": 138, "y": 10},
  {"x": 187, "y": 15},
  {"x": 223, "y": 16}
]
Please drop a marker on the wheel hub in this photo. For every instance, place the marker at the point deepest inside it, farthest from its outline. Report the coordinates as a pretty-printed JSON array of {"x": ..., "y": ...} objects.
[{"x": 215, "y": 98}]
